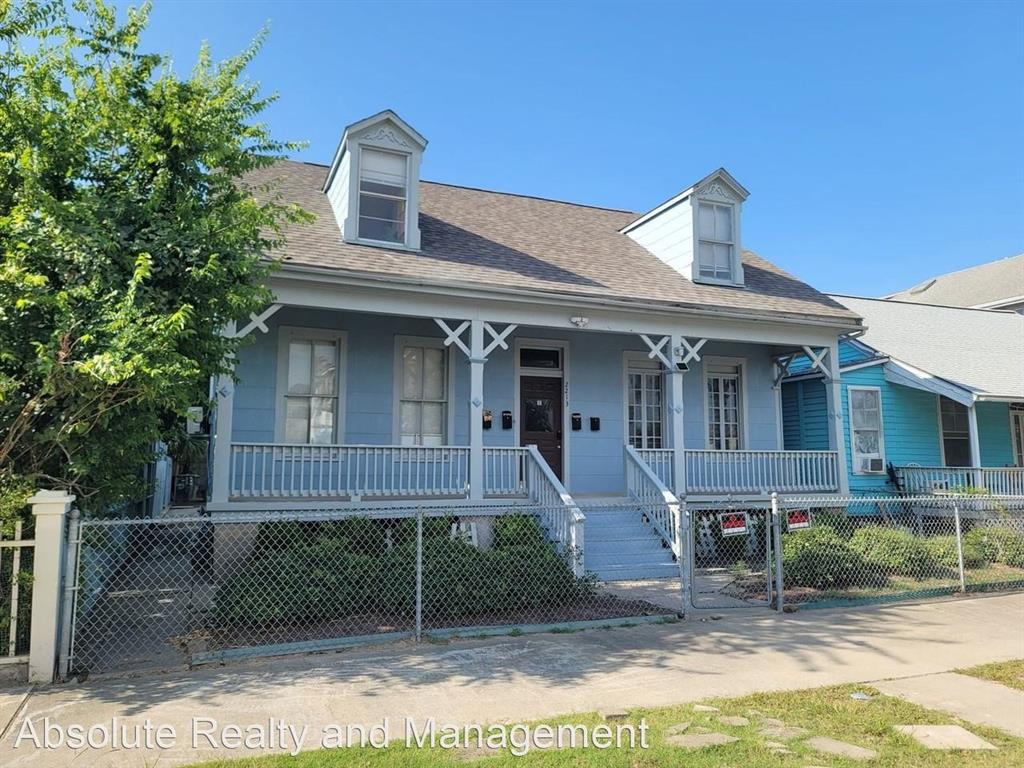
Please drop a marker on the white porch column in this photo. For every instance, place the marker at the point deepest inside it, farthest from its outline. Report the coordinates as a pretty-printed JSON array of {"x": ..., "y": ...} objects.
[
  {"x": 476, "y": 404},
  {"x": 49, "y": 509},
  {"x": 224, "y": 391},
  {"x": 675, "y": 407},
  {"x": 972, "y": 432},
  {"x": 834, "y": 403}
]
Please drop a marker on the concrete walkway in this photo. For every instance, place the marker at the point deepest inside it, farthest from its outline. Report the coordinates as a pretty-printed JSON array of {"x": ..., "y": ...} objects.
[
  {"x": 976, "y": 701},
  {"x": 503, "y": 679}
]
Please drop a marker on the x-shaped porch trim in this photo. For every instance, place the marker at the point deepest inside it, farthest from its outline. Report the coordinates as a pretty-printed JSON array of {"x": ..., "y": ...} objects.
[
  {"x": 691, "y": 351},
  {"x": 498, "y": 339},
  {"x": 817, "y": 360},
  {"x": 258, "y": 321},
  {"x": 656, "y": 350},
  {"x": 454, "y": 336}
]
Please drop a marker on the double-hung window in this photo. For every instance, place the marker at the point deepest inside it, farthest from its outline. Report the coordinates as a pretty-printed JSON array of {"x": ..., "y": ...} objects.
[
  {"x": 867, "y": 441},
  {"x": 383, "y": 192},
  {"x": 645, "y": 408},
  {"x": 956, "y": 431},
  {"x": 717, "y": 241},
  {"x": 724, "y": 407},
  {"x": 423, "y": 394},
  {"x": 311, "y": 392}
]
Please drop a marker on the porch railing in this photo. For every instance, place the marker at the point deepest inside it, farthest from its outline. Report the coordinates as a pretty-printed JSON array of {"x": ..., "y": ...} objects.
[
  {"x": 644, "y": 485},
  {"x": 761, "y": 471},
  {"x": 1001, "y": 481},
  {"x": 505, "y": 471},
  {"x": 261, "y": 470},
  {"x": 559, "y": 514},
  {"x": 660, "y": 462}
]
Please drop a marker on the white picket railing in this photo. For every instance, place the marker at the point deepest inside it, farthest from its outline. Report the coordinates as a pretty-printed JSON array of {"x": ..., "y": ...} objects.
[
  {"x": 559, "y": 514},
  {"x": 761, "y": 471},
  {"x": 659, "y": 503},
  {"x": 505, "y": 471},
  {"x": 1000, "y": 481},
  {"x": 12, "y": 548},
  {"x": 660, "y": 462},
  {"x": 263, "y": 470}
]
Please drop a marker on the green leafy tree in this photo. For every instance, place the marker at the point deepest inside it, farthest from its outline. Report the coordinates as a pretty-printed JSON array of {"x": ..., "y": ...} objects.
[{"x": 128, "y": 239}]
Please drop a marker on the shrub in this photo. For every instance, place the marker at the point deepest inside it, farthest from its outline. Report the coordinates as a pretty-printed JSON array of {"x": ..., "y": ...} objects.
[
  {"x": 818, "y": 557},
  {"x": 894, "y": 551},
  {"x": 943, "y": 551},
  {"x": 998, "y": 544}
]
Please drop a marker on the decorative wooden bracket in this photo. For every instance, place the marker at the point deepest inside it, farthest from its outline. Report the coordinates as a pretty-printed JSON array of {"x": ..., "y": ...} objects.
[
  {"x": 817, "y": 360},
  {"x": 658, "y": 350},
  {"x": 497, "y": 339},
  {"x": 258, "y": 321},
  {"x": 781, "y": 369},
  {"x": 690, "y": 351},
  {"x": 453, "y": 335}
]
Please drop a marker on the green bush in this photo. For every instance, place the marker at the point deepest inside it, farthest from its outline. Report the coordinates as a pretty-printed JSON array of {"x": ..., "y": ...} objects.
[
  {"x": 333, "y": 570},
  {"x": 998, "y": 545},
  {"x": 819, "y": 557},
  {"x": 943, "y": 551},
  {"x": 894, "y": 551}
]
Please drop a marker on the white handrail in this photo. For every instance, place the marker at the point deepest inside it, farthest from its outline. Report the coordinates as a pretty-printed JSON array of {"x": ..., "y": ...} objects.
[
  {"x": 660, "y": 505},
  {"x": 505, "y": 471},
  {"x": 660, "y": 462},
  {"x": 1001, "y": 481},
  {"x": 559, "y": 513}
]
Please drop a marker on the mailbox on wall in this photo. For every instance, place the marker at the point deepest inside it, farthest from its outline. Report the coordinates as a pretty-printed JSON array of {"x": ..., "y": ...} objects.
[
  {"x": 506, "y": 419},
  {"x": 577, "y": 422},
  {"x": 487, "y": 419},
  {"x": 595, "y": 423}
]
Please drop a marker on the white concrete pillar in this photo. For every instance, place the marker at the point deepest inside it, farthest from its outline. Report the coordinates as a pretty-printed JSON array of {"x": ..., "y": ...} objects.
[
  {"x": 476, "y": 410},
  {"x": 224, "y": 392},
  {"x": 834, "y": 403},
  {"x": 49, "y": 509}
]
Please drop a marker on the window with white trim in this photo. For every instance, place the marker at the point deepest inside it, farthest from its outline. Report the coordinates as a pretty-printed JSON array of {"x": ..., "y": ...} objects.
[
  {"x": 311, "y": 394},
  {"x": 383, "y": 192},
  {"x": 717, "y": 239},
  {"x": 725, "y": 428},
  {"x": 956, "y": 433},
  {"x": 645, "y": 413},
  {"x": 867, "y": 442},
  {"x": 423, "y": 401}
]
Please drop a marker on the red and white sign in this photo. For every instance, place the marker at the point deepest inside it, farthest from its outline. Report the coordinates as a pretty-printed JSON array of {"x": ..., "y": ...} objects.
[
  {"x": 798, "y": 518},
  {"x": 733, "y": 523}
]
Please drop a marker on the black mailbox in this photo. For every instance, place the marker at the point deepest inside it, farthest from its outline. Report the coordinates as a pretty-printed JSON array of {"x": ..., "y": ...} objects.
[
  {"x": 595, "y": 423},
  {"x": 506, "y": 419},
  {"x": 487, "y": 419},
  {"x": 577, "y": 422}
]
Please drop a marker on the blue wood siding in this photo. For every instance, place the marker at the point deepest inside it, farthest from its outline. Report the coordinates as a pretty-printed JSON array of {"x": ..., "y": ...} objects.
[
  {"x": 994, "y": 435},
  {"x": 804, "y": 416},
  {"x": 596, "y": 379}
]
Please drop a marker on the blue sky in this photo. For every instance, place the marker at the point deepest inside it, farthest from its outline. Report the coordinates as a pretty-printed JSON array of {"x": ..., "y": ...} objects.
[{"x": 881, "y": 142}]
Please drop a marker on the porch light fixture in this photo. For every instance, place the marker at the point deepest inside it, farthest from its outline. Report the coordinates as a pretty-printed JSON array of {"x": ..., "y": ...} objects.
[{"x": 579, "y": 321}]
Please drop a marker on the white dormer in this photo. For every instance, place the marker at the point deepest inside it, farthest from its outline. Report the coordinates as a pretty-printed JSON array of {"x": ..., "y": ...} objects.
[
  {"x": 697, "y": 232},
  {"x": 373, "y": 184}
]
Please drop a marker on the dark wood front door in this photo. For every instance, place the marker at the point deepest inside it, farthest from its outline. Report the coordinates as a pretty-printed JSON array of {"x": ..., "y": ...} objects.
[{"x": 540, "y": 417}]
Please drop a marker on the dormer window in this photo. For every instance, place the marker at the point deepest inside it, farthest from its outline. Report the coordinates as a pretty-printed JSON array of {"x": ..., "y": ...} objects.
[
  {"x": 717, "y": 241},
  {"x": 383, "y": 193}
]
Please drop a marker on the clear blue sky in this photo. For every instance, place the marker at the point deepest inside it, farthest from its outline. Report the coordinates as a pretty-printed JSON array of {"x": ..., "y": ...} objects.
[{"x": 881, "y": 142}]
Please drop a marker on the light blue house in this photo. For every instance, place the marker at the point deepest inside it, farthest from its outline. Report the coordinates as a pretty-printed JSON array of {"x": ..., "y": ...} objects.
[
  {"x": 436, "y": 344},
  {"x": 933, "y": 399}
]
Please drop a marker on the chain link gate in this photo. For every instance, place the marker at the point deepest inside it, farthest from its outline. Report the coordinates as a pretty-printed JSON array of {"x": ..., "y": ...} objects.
[{"x": 730, "y": 559}]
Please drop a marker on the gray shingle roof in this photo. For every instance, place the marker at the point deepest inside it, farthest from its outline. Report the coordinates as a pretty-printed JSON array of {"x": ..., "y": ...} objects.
[
  {"x": 493, "y": 239},
  {"x": 981, "y": 350},
  {"x": 976, "y": 286}
]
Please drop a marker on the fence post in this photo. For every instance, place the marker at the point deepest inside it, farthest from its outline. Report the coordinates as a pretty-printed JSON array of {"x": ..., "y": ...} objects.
[
  {"x": 419, "y": 574},
  {"x": 777, "y": 548},
  {"x": 67, "y": 611},
  {"x": 682, "y": 529},
  {"x": 49, "y": 509},
  {"x": 576, "y": 541},
  {"x": 959, "y": 547}
]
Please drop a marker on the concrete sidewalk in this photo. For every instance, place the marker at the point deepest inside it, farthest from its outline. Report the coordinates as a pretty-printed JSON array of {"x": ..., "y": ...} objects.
[{"x": 514, "y": 679}]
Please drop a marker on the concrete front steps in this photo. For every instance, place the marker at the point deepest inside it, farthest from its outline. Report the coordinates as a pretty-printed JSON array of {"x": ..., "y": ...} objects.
[{"x": 619, "y": 545}]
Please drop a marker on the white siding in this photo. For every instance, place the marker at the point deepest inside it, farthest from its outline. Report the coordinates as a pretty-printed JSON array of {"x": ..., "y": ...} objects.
[
  {"x": 669, "y": 236},
  {"x": 337, "y": 193}
]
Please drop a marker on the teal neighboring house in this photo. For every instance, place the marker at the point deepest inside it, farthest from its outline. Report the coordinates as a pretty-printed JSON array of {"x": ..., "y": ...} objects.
[{"x": 932, "y": 399}]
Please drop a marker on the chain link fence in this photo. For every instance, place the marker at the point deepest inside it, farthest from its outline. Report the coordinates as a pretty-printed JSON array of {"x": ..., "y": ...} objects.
[
  {"x": 842, "y": 551},
  {"x": 167, "y": 592},
  {"x": 730, "y": 556}
]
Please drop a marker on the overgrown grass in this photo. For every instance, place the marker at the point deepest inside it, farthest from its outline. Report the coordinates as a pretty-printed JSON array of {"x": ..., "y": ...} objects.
[
  {"x": 823, "y": 712},
  {"x": 1009, "y": 673}
]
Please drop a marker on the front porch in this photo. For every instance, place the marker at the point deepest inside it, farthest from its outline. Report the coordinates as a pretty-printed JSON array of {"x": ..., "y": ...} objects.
[
  {"x": 338, "y": 406},
  {"x": 269, "y": 472},
  {"x": 997, "y": 481}
]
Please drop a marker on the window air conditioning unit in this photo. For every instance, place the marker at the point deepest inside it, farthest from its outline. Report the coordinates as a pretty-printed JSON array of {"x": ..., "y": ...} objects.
[{"x": 872, "y": 465}]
